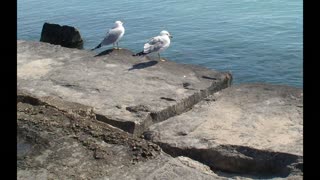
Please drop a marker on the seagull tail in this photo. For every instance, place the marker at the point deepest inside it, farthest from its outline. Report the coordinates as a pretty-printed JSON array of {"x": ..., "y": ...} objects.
[
  {"x": 96, "y": 47},
  {"x": 140, "y": 54}
]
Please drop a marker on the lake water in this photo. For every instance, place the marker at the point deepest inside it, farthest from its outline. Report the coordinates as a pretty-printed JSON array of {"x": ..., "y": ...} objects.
[{"x": 257, "y": 40}]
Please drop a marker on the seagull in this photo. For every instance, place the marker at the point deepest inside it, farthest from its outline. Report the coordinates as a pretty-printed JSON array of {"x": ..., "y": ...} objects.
[
  {"x": 113, "y": 36},
  {"x": 156, "y": 44}
]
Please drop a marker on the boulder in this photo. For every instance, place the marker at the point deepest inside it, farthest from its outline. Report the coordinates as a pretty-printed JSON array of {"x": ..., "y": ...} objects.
[
  {"x": 254, "y": 129},
  {"x": 66, "y": 36}
]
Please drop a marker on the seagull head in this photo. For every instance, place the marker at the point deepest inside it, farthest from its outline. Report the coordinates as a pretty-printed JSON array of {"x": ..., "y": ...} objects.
[
  {"x": 118, "y": 23},
  {"x": 165, "y": 33}
]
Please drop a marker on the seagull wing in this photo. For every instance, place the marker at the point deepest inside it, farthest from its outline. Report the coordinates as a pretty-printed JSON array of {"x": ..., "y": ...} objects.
[
  {"x": 112, "y": 36},
  {"x": 153, "y": 45}
]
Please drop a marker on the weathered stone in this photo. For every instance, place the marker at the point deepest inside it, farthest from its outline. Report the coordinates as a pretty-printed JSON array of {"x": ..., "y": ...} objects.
[
  {"x": 65, "y": 147},
  {"x": 122, "y": 90},
  {"x": 253, "y": 130},
  {"x": 249, "y": 129},
  {"x": 75, "y": 109},
  {"x": 165, "y": 167},
  {"x": 65, "y": 36}
]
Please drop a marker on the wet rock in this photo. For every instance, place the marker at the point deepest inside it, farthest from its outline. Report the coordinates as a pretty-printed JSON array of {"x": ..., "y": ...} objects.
[{"x": 66, "y": 36}]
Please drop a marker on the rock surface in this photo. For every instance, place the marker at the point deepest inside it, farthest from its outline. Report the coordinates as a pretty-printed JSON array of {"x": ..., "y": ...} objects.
[
  {"x": 65, "y": 36},
  {"x": 248, "y": 129},
  {"x": 127, "y": 92},
  {"x": 57, "y": 139},
  {"x": 60, "y": 142},
  {"x": 71, "y": 103}
]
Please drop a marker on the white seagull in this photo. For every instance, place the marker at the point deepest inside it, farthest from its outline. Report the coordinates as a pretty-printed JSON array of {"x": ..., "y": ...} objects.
[
  {"x": 156, "y": 44},
  {"x": 113, "y": 36}
]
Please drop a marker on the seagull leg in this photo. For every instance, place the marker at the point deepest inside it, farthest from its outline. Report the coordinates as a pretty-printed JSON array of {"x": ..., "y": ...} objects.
[
  {"x": 118, "y": 46},
  {"x": 160, "y": 58},
  {"x": 113, "y": 46}
]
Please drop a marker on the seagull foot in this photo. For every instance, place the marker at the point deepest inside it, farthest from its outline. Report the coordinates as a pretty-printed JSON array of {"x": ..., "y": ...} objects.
[{"x": 163, "y": 60}]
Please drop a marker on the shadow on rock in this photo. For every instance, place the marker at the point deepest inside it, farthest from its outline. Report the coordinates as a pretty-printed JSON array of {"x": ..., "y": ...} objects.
[
  {"x": 108, "y": 51},
  {"x": 143, "y": 65}
]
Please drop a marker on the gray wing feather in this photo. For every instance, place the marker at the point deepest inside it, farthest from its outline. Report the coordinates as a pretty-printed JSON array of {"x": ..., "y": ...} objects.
[
  {"x": 111, "y": 37},
  {"x": 155, "y": 44}
]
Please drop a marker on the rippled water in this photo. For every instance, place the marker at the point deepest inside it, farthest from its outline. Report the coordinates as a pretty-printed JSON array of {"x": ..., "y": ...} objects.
[{"x": 258, "y": 41}]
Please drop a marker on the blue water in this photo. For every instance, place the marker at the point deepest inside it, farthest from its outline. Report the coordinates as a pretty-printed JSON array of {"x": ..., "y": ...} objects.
[{"x": 257, "y": 40}]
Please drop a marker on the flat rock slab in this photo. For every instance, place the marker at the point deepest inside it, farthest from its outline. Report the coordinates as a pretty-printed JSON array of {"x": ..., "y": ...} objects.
[
  {"x": 249, "y": 128},
  {"x": 55, "y": 143},
  {"x": 125, "y": 91}
]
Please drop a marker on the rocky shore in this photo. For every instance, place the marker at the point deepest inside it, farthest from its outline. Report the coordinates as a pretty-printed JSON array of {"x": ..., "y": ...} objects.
[{"x": 111, "y": 115}]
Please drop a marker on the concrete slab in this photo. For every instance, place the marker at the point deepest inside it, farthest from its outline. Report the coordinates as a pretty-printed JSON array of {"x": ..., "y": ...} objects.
[{"x": 128, "y": 92}]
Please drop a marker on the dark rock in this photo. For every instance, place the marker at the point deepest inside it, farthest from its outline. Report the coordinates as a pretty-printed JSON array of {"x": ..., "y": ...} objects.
[{"x": 66, "y": 36}]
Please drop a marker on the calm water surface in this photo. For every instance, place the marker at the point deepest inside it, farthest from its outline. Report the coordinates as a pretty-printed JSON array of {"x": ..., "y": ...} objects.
[{"x": 258, "y": 41}]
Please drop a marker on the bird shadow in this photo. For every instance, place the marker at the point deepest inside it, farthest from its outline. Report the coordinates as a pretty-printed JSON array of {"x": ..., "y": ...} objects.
[
  {"x": 108, "y": 51},
  {"x": 143, "y": 65}
]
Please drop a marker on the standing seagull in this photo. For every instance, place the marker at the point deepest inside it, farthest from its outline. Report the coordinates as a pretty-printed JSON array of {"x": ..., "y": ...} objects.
[
  {"x": 113, "y": 36},
  {"x": 156, "y": 44}
]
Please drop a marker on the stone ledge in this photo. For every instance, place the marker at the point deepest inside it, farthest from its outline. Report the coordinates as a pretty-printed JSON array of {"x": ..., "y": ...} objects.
[{"x": 114, "y": 81}]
